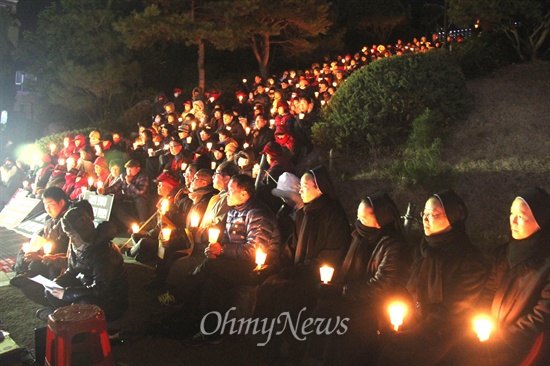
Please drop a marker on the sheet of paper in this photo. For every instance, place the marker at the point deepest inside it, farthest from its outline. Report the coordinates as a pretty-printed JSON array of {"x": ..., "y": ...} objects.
[{"x": 48, "y": 284}]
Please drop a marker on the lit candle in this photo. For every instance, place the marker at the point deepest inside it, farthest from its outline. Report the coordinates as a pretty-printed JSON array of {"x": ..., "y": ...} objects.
[
  {"x": 97, "y": 149},
  {"x": 483, "y": 326},
  {"x": 228, "y": 128},
  {"x": 90, "y": 181},
  {"x": 135, "y": 144},
  {"x": 47, "y": 248},
  {"x": 99, "y": 184},
  {"x": 242, "y": 162},
  {"x": 301, "y": 115},
  {"x": 189, "y": 139},
  {"x": 166, "y": 146},
  {"x": 52, "y": 148},
  {"x": 326, "y": 273},
  {"x": 193, "y": 125},
  {"x": 323, "y": 102},
  {"x": 316, "y": 94},
  {"x": 164, "y": 206},
  {"x": 244, "y": 81},
  {"x": 213, "y": 165},
  {"x": 255, "y": 170},
  {"x": 166, "y": 232},
  {"x": 26, "y": 247},
  {"x": 213, "y": 235},
  {"x": 271, "y": 123},
  {"x": 209, "y": 146},
  {"x": 61, "y": 161},
  {"x": 212, "y": 99},
  {"x": 247, "y": 130},
  {"x": 260, "y": 258},
  {"x": 334, "y": 84},
  {"x": 245, "y": 145},
  {"x": 397, "y": 312},
  {"x": 157, "y": 143},
  {"x": 180, "y": 119},
  {"x": 150, "y": 151},
  {"x": 195, "y": 218},
  {"x": 135, "y": 228},
  {"x": 183, "y": 166}
]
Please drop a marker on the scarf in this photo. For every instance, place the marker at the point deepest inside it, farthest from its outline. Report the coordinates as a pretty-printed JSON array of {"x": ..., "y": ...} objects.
[
  {"x": 426, "y": 280},
  {"x": 520, "y": 250},
  {"x": 310, "y": 209}
]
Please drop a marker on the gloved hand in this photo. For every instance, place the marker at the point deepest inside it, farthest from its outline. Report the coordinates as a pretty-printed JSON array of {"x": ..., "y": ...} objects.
[{"x": 330, "y": 290}]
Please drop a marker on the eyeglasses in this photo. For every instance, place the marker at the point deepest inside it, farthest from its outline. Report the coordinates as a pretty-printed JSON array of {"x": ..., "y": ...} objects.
[{"x": 430, "y": 216}]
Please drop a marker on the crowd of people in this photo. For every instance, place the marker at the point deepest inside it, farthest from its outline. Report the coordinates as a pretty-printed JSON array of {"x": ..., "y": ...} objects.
[{"x": 212, "y": 189}]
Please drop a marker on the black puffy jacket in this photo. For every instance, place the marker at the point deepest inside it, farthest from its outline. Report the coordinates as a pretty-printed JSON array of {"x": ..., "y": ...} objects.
[
  {"x": 250, "y": 226},
  {"x": 100, "y": 271}
]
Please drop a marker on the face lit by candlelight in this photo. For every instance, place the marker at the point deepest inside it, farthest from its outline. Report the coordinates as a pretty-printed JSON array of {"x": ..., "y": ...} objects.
[
  {"x": 522, "y": 222},
  {"x": 434, "y": 218},
  {"x": 236, "y": 195},
  {"x": 308, "y": 189},
  {"x": 366, "y": 216}
]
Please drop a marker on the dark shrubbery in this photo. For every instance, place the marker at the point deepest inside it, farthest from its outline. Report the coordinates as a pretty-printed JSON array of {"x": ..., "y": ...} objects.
[
  {"x": 485, "y": 54},
  {"x": 420, "y": 163},
  {"x": 375, "y": 107}
]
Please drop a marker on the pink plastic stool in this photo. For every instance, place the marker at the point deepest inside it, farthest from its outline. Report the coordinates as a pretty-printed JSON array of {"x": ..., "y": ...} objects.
[{"x": 68, "y": 321}]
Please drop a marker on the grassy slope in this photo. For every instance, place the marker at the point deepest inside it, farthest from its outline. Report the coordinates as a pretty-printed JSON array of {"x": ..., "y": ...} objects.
[{"x": 502, "y": 146}]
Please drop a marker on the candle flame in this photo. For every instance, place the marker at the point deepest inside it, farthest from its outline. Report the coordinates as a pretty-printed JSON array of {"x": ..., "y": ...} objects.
[
  {"x": 213, "y": 235},
  {"x": 483, "y": 326},
  {"x": 260, "y": 257},
  {"x": 397, "y": 312},
  {"x": 47, "y": 248},
  {"x": 326, "y": 273}
]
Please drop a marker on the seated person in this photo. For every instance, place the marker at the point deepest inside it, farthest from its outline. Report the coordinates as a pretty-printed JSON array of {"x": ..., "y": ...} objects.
[
  {"x": 230, "y": 261},
  {"x": 35, "y": 261},
  {"x": 95, "y": 272},
  {"x": 517, "y": 292},
  {"x": 134, "y": 193}
]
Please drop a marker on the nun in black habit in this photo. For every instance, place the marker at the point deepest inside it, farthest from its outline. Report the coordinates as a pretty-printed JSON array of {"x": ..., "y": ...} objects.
[
  {"x": 447, "y": 277},
  {"x": 321, "y": 237},
  {"x": 517, "y": 293},
  {"x": 374, "y": 272}
]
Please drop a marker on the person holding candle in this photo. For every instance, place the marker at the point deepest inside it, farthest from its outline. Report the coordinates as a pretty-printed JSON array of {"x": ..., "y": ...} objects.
[
  {"x": 145, "y": 244},
  {"x": 321, "y": 236},
  {"x": 231, "y": 123},
  {"x": 200, "y": 193},
  {"x": 36, "y": 262},
  {"x": 447, "y": 277},
  {"x": 374, "y": 271},
  {"x": 517, "y": 293},
  {"x": 95, "y": 273},
  {"x": 135, "y": 194},
  {"x": 231, "y": 260},
  {"x": 214, "y": 216},
  {"x": 261, "y": 135}
]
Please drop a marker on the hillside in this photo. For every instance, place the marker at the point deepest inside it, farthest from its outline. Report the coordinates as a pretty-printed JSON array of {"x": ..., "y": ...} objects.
[{"x": 502, "y": 146}]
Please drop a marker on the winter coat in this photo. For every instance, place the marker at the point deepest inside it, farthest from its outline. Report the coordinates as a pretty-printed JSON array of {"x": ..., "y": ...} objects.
[
  {"x": 248, "y": 227},
  {"x": 521, "y": 301},
  {"x": 323, "y": 230},
  {"x": 99, "y": 268}
]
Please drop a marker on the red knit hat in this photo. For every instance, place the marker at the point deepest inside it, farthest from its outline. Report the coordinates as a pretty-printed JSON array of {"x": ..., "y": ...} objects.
[
  {"x": 272, "y": 148},
  {"x": 169, "y": 178}
]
